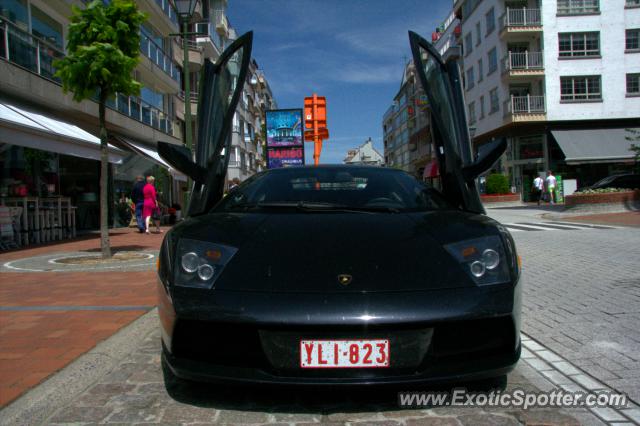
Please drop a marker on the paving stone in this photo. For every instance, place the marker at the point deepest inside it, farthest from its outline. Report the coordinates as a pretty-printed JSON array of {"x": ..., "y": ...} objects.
[
  {"x": 183, "y": 413},
  {"x": 566, "y": 368},
  {"x": 488, "y": 419},
  {"x": 609, "y": 414},
  {"x": 587, "y": 382},
  {"x": 433, "y": 421},
  {"x": 80, "y": 414},
  {"x": 296, "y": 417},
  {"x": 548, "y": 356},
  {"x": 233, "y": 416},
  {"x": 540, "y": 417},
  {"x": 557, "y": 377},
  {"x": 135, "y": 415},
  {"x": 633, "y": 414}
]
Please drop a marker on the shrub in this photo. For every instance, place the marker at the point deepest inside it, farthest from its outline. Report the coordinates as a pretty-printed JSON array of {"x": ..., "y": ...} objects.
[{"x": 498, "y": 184}]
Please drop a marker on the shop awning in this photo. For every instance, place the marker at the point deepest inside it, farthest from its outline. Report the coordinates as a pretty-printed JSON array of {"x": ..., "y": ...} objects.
[
  {"x": 597, "y": 145},
  {"x": 33, "y": 130},
  {"x": 431, "y": 170},
  {"x": 152, "y": 155}
]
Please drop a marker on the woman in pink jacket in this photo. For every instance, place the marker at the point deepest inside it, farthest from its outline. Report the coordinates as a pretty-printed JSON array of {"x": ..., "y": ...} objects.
[{"x": 150, "y": 202}]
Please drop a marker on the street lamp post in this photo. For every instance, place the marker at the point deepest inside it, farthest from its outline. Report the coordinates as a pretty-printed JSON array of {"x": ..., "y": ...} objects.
[{"x": 185, "y": 9}]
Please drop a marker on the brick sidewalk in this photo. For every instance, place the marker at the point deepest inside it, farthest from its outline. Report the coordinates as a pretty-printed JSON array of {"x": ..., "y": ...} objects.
[
  {"x": 622, "y": 219},
  {"x": 49, "y": 319}
]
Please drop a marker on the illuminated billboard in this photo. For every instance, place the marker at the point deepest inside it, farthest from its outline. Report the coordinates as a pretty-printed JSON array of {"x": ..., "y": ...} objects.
[
  {"x": 285, "y": 157},
  {"x": 284, "y": 128}
]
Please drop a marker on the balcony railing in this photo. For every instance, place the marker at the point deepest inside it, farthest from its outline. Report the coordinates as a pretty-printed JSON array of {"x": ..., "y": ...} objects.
[
  {"x": 168, "y": 10},
  {"x": 523, "y": 61},
  {"x": 36, "y": 55},
  {"x": 28, "y": 51},
  {"x": 152, "y": 51},
  {"x": 525, "y": 105},
  {"x": 137, "y": 109},
  {"x": 207, "y": 29},
  {"x": 521, "y": 17}
]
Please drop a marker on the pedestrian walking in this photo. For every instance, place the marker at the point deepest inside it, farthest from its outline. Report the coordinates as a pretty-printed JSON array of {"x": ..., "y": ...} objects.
[
  {"x": 551, "y": 186},
  {"x": 538, "y": 188},
  {"x": 137, "y": 196},
  {"x": 150, "y": 203}
]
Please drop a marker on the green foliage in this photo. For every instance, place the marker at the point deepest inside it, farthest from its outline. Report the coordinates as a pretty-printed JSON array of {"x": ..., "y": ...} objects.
[
  {"x": 601, "y": 191},
  {"x": 498, "y": 184},
  {"x": 103, "y": 50}
]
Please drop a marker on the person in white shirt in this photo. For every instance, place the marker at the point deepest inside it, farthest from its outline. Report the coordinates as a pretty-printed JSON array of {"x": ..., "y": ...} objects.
[
  {"x": 551, "y": 186},
  {"x": 538, "y": 187}
]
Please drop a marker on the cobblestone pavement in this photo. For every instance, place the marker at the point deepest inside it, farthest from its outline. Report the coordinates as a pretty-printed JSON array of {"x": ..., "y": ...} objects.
[
  {"x": 582, "y": 297},
  {"x": 134, "y": 393}
]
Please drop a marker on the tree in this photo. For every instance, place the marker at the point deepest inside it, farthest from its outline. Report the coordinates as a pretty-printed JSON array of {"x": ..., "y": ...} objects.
[{"x": 102, "y": 51}]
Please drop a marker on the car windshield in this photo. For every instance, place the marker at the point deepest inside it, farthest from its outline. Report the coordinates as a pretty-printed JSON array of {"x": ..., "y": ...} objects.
[{"x": 333, "y": 188}]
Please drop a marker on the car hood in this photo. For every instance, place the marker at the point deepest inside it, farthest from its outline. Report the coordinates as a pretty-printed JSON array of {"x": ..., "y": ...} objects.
[{"x": 307, "y": 252}]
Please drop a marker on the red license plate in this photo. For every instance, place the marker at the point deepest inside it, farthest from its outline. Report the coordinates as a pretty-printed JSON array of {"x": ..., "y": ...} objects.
[{"x": 344, "y": 353}]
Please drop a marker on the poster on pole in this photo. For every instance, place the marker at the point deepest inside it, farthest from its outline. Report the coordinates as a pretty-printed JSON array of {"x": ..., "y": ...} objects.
[
  {"x": 285, "y": 157},
  {"x": 284, "y": 128}
]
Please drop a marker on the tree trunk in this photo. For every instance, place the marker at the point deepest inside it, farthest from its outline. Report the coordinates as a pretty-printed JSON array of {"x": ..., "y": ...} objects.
[{"x": 104, "y": 182}]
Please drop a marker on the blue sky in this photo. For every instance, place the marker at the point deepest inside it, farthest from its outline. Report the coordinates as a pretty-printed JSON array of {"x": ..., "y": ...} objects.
[{"x": 351, "y": 51}]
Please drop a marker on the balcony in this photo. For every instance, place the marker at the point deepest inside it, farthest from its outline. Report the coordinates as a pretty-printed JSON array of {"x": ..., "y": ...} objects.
[
  {"x": 196, "y": 57},
  {"x": 520, "y": 20},
  {"x": 451, "y": 50},
  {"x": 523, "y": 64},
  {"x": 155, "y": 58},
  {"x": 222, "y": 23},
  {"x": 206, "y": 39},
  {"x": 525, "y": 108},
  {"x": 180, "y": 105},
  {"x": 20, "y": 48}
]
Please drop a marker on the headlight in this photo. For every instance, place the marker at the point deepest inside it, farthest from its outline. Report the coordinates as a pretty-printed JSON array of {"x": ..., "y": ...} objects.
[
  {"x": 199, "y": 263},
  {"x": 483, "y": 259}
]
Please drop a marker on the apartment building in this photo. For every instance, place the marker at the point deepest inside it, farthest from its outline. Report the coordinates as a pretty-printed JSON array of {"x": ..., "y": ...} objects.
[
  {"x": 406, "y": 127},
  {"x": 37, "y": 117},
  {"x": 559, "y": 79}
]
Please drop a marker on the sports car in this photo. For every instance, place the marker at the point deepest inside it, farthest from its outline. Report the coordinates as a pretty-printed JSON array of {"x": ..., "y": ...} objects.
[{"x": 337, "y": 275}]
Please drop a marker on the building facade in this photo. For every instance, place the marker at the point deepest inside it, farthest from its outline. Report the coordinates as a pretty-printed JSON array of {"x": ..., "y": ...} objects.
[
  {"x": 38, "y": 119},
  {"x": 559, "y": 79},
  {"x": 406, "y": 127},
  {"x": 365, "y": 154}
]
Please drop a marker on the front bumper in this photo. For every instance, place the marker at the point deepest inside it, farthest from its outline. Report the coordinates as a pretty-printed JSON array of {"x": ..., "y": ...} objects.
[{"x": 439, "y": 336}]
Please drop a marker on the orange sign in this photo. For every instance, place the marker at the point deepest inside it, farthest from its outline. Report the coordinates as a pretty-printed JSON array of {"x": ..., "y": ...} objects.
[{"x": 315, "y": 115}]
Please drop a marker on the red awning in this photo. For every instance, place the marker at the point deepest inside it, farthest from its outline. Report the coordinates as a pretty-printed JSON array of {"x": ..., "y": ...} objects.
[{"x": 431, "y": 170}]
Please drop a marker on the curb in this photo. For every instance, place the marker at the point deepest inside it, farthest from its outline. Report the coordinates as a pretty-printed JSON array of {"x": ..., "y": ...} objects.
[{"x": 37, "y": 404}]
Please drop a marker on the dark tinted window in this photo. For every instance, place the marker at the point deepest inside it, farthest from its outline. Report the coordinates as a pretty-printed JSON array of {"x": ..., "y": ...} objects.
[{"x": 348, "y": 187}]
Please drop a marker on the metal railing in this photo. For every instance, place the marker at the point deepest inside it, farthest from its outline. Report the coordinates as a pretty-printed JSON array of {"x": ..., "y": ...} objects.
[
  {"x": 168, "y": 10},
  {"x": 152, "y": 51},
  {"x": 525, "y": 105},
  {"x": 207, "y": 29},
  {"x": 36, "y": 55},
  {"x": 523, "y": 61},
  {"x": 521, "y": 17}
]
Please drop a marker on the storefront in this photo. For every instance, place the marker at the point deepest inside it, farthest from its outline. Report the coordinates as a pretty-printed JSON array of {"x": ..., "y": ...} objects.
[{"x": 45, "y": 158}]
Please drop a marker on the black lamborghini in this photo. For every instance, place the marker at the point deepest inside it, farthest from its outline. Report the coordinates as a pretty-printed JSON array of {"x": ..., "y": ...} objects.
[{"x": 337, "y": 274}]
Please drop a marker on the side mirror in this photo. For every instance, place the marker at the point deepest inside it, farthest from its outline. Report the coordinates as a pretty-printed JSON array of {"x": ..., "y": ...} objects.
[
  {"x": 489, "y": 156},
  {"x": 179, "y": 157}
]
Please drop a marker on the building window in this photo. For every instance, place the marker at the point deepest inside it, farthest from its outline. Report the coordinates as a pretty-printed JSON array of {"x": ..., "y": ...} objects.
[
  {"x": 472, "y": 112},
  {"x": 579, "y": 89},
  {"x": 579, "y": 44},
  {"x": 495, "y": 101},
  {"x": 632, "y": 40},
  {"x": 468, "y": 46},
  {"x": 633, "y": 84},
  {"x": 478, "y": 34},
  {"x": 481, "y": 107},
  {"x": 480, "y": 70},
  {"x": 632, "y": 3},
  {"x": 578, "y": 7},
  {"x": 470, "y": 79},
  {"x": 490, "y": 19},
  {"x": 493, "y": 60}
]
